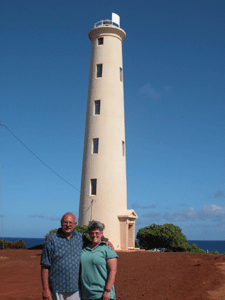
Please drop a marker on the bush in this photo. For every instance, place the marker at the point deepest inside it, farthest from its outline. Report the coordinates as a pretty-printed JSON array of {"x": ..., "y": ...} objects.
[
  {"x": 13, "y": 245},
  {"x": 50, "y": 233},
  {"x": 215, "y": 252},
  {"x": 79, "y": 228},
  {"x": 166, "y": 236},
  {"x": 137, "y": 244},
  {"x": 84, "y": 230},
  {"x": 195, "y": 249}
]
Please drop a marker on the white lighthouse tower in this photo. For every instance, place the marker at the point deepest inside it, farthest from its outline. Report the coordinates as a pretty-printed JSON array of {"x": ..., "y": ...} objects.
[{"x": 104, "y": 187}]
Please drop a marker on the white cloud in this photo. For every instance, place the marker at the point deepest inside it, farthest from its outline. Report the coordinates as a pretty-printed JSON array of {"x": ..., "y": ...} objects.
[
  {"x": 211, "y": 212},
  {"x": 183, "y": 204},
  {"x": 150, "y": 92},
  {"x": 218, "y": 195},
  {"x": 213, "y": 207},
  {"x": 182, "y": 215},
  {"x": 149, "y": 218},
  {"x": 37, "y": 216},
  {"x": 136, "y": 205},
  {"x": 40, "y": 216}
]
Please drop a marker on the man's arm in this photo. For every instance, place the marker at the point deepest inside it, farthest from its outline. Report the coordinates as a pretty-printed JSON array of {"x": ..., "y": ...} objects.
[
  {"x": 47, "y": 295},
  {"x": 108, "y": 243},
  {"x": 86, "y": 241}
]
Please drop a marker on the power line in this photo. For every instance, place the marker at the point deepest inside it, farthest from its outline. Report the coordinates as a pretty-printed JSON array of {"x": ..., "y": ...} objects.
[
  {"x": 3, "y": 241},
  {"x": 38, "y": 157},
  {"x": 92, "y": 200}
]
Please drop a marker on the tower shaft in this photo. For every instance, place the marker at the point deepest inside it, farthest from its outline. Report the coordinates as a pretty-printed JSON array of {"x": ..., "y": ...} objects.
[{"x": 104, "y": 187}]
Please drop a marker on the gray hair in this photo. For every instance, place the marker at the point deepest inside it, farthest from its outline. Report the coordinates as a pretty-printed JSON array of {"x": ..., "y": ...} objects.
[{"x": 96, "y": 225}]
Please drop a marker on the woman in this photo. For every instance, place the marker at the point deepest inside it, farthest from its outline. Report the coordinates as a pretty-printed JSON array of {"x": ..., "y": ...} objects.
[{"x": 98, "y": 266}]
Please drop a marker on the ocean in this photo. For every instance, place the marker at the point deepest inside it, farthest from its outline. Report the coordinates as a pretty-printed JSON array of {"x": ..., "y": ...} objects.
[
  {"x": 205, "y": 245},
  {"x": 30, "y": 242},
  {"x": 209, "y": 245}
]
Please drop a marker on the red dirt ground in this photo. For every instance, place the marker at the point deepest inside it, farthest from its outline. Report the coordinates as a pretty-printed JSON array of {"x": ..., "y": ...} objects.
[{"x": 144, "y": 275}]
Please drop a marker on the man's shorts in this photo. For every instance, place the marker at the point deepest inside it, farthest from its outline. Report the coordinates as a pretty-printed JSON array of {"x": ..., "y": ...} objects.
[{"x": 66, "y": 296}]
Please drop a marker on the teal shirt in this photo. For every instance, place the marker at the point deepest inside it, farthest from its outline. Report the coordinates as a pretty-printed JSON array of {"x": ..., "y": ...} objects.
[{"x": 94, "y": 272}]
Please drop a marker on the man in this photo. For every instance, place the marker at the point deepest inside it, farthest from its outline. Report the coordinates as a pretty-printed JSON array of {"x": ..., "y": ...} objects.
[{"x": 60, "y": 261}]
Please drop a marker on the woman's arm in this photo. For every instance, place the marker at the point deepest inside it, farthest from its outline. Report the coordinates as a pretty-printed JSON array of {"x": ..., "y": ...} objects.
[{"x": 112, "y": 266}]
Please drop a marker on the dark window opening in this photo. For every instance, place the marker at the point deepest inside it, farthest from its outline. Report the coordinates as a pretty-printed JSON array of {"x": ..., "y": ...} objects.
[
  {"x": 123, "y": 148},
  {"x": 95, "y": 145},
  {"x": 121, "y": 74},
  {"x": 99, "y": 70},
  {"x": 93, "y": 186},
  {"x": 100, "y": 41},
  {"x": 97, "y": 107}
]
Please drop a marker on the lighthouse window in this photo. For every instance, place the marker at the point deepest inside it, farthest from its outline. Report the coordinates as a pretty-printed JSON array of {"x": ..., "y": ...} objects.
[
  {"x": 99, "y": 70},
  {"x": 95, "y": 145},
  {"x": 100, "y": 41},
  {"x": 93, "y": 186},
  {"x": 97, "y": 107},
  {"x": 123, "y": 148},
  {"x": 121, "y": 74}
]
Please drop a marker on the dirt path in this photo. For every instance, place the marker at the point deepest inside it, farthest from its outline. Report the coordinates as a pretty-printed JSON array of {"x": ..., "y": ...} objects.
[{"x": 145, "y": 275}]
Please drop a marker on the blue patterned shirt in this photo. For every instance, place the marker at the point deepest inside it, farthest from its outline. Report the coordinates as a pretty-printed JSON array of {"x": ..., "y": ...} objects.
[{"x": 62, "y": 258}]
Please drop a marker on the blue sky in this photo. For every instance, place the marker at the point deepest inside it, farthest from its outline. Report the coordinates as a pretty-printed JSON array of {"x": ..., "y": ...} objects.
[{"x": 174, "y": 110}]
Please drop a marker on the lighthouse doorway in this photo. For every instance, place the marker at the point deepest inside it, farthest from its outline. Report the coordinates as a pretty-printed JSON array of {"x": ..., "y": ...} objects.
[
  {"x": 131, "y": 237},
  {"x": 127, "y": 229}
]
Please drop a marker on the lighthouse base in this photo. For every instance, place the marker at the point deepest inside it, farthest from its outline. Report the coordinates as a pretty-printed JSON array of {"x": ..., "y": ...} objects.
[{"x": 127, "y": 229}]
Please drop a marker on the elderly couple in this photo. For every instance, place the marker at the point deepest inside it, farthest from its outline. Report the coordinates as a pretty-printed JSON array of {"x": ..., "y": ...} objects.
[{"x": 63, "y": 254}]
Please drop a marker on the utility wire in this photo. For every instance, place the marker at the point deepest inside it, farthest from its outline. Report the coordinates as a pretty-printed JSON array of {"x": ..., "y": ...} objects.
[
  {"x": 92, "y": 200},
  {"x": 3, "y": 241},
  {"x": 39, "y": 158}
]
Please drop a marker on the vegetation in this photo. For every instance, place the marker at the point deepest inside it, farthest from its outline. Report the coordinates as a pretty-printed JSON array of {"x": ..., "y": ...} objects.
[
  {"x": 79, "y": 228},
  {"x": 215, "y": 252},
  {"x": 166, "y": 236},
  {"x": 137, "y": 244},
  {"x": 50, "y": 233},
  {"x": 13, "y": 245},
  {"x": 195, "y": 249},
  {"x": 83, "y": 229}
]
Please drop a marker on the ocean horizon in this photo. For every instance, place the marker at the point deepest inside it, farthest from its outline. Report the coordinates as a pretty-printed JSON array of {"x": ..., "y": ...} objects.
[
  {"x": 30, "y": 242},
  {"x": 210, "y": 245}
]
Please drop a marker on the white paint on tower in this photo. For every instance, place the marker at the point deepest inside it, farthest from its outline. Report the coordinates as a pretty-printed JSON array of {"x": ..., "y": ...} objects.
[{"x": 103, "y": 187}]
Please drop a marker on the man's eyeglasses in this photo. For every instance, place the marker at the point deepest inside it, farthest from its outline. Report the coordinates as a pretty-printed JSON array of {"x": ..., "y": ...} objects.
[{"x": 70, "y": 223}]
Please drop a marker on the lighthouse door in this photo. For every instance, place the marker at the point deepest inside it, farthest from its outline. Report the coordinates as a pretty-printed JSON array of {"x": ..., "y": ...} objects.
[{"x": 131, "y": 235}]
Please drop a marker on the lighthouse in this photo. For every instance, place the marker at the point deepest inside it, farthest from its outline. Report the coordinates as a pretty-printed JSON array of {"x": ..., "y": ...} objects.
[{"x": 103, "y": 194}]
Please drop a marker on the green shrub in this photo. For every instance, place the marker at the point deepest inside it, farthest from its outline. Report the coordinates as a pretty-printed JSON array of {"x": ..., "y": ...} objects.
[
  {"x": 13, "y": 245},
  {"x": 79, "y": 228},
  {"x": 84, "y": 230},
  {"x": 215, "y": 252},
  {"x": 50, "y": 233},
  {"x": 166, "y": 236},
  {"x": 195, "y": 249},
  {"x": 137, "y": 244}
]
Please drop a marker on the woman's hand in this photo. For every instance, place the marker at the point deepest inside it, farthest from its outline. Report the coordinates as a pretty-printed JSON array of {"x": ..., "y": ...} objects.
[{"x": 106, "y": 295}]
